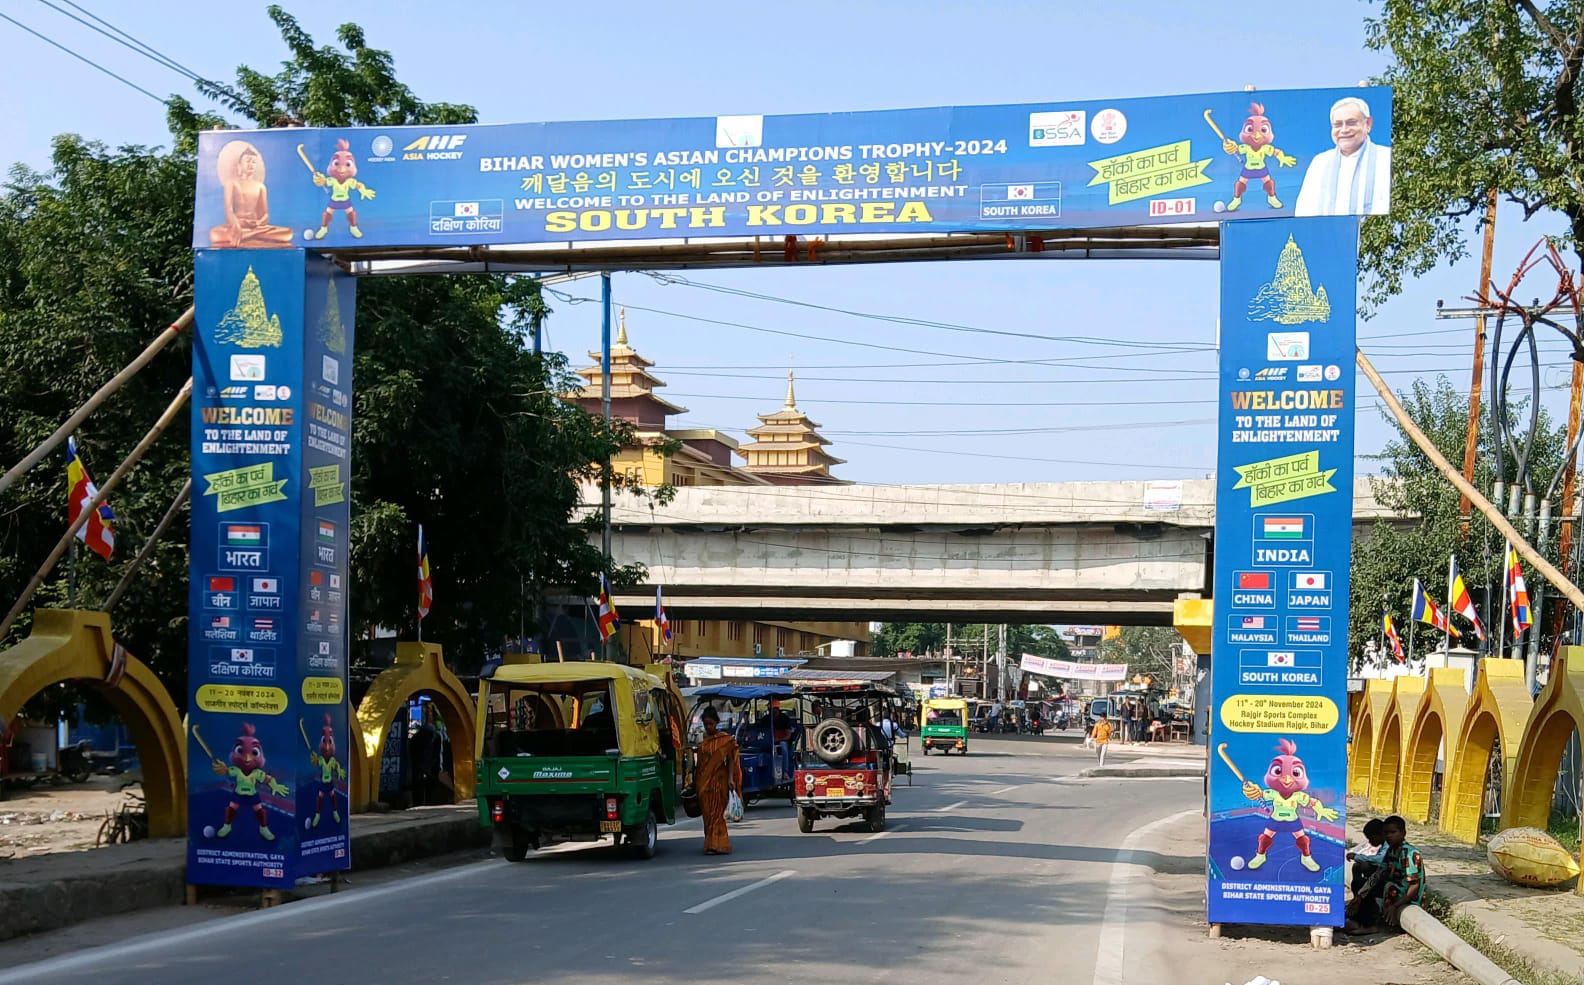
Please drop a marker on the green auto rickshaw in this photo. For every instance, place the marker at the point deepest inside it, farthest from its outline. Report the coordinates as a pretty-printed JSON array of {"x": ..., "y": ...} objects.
[
  {"x": 945, "y": 725},
  {"x": 576, "y": 752}
]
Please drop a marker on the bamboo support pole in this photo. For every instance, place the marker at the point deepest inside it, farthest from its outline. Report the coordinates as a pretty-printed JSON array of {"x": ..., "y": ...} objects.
[
  {"x": 165, "y": 419},
  {"x": 1491, "y": 513},
  {"x": 148, "y": 546},
  {"x": 134, "y": 367}
]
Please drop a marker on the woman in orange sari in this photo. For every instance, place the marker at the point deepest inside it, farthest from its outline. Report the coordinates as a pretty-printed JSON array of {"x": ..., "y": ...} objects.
[{"x": 718, "y": 774}]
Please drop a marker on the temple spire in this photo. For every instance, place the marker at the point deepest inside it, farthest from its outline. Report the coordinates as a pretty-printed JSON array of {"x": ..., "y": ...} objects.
[
  {"x": 621, "y": 327},
  {"x": 791, "y": 397}
]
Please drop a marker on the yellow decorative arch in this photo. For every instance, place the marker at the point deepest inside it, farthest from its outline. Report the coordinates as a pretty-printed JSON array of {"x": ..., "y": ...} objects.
[
  {"x": 419, "y": 669},
  {"x": 1366, "y": 733},
  {"x": 1496, "y": 713},
  {"x": 1557, "y": 713},
  {"x": 359, "y": 767},
  {"x": 77, "y": 645},
  {"x": 1438, "y": 720},
  {"x": 1406, "y": 695}
]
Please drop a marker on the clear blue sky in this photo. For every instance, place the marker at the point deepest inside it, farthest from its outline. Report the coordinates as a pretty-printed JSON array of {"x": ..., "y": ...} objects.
[{"x": 1126, "y": 415}]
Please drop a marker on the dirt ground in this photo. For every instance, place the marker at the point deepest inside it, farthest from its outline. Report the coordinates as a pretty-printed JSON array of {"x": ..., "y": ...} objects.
[
  {"x": 1279, "y": 953},
  {"x": 62, "y": 817}
]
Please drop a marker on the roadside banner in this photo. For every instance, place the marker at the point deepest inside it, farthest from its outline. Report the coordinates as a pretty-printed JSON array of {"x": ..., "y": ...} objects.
[
  {"x": 1071, "y": 670},
  {"x": 1284, "y": 502},
  {"x": 1064, "y": 164}
]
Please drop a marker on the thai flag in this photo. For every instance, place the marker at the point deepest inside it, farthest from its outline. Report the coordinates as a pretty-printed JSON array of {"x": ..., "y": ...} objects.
[
  {"x": 1308, "y": 624},
  {"x": 660, "y": 617},
  {"x": 1518, "y": 592}
]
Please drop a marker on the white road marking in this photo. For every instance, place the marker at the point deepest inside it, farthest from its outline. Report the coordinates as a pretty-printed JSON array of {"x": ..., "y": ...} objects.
[
  {"x": 206, "y": 931},
  {"x": 950, "y": 807},
  {"x": 877, "y": 835},
  {"x": 742, "y": 891},
  {"x": 1003, "y": 790},
  {"x": 1109, "y": 964}
]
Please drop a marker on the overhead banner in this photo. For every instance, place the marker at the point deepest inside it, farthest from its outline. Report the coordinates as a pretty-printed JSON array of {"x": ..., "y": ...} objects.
[
  {"x": 269, "y": 742},
  {"x": 1283, "y": 540},
  {"x": 1064, "y": 164},
  {"x": 1072, "y": 671}
]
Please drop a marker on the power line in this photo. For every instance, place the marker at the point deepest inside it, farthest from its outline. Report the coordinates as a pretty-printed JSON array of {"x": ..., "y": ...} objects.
[
  {"x": 985, "y": 360},
  {"x": 125, "y": 40},
  {"x": 894, "y": 319},
  {"x": 951, "y": 403},
  {"x": 84, "y": 59}
]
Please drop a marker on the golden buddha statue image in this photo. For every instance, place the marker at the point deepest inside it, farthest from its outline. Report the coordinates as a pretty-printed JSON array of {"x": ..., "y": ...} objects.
[{"x": 247, "y": 225}]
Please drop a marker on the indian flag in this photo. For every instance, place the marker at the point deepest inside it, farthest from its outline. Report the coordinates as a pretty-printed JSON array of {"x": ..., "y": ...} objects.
[
  {"x": 1283, "y": 528},
  {"x": 243, "y": 535}
]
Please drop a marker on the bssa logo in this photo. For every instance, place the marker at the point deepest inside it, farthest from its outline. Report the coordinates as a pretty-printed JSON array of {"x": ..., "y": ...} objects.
[
  {"x": 435, "y": 147},
  {"x": 1063, "y": 128}
]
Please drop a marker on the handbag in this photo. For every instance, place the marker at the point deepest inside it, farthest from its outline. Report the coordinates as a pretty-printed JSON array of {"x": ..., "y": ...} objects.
[
  {"x": 734, "y": 807},
  {"x": 690, "y": 802}
]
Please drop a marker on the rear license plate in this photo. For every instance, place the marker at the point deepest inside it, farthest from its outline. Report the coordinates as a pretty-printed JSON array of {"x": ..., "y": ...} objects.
[
  {"x": 836, "y": 791},
  {"x": 610, "y": 827}
]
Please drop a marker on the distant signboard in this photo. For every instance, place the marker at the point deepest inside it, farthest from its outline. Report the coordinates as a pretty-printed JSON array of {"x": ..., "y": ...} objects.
[{"x": 1071, "y": 670}]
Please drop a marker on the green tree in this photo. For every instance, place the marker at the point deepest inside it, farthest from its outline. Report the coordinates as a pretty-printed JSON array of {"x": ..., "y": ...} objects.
[
  {"x": 1486, "y": 95},
  {"x": 908, "y": 637},
  {"x": 1427, "y": 530},
  {"x": 1145, "y": 649},
  {"x": 456, "y": 423}
]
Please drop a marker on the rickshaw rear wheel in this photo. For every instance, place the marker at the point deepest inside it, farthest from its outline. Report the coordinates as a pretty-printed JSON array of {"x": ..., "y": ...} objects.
[
  {"x": 805, "y": 822},
  {"x": 876, "y": 818},
  {"x": 514, "y": 853},
  {"x": 641, "y": 839}
]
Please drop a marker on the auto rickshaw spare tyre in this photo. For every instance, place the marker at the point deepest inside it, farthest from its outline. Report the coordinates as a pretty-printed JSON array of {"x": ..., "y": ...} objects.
[
  {"x": 805, "y": 822},
  {"x": 833, "y": 740},
  {"x": 876, "y": 818},
  {"x": 641, "y": 838}
]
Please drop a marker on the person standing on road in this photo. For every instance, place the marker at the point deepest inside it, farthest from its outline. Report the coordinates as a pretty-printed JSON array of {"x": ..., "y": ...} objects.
[
  {"x": 1127, "y": 720},
  {"x": 717, "y": 776},
  {"x": 1102, "y": 738}
]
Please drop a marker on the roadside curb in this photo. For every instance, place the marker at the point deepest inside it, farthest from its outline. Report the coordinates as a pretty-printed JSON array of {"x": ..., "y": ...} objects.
[
  {"x": 148, "y": 874},
  {"x": 1196, "y": 772}
]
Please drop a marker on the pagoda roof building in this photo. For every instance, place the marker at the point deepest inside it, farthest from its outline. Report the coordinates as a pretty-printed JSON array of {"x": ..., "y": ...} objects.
[
  {"x": 787, "y": 448},
  {"x": 705, "y": 455}
]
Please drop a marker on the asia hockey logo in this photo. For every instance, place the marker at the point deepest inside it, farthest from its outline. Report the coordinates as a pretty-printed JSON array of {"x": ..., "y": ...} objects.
[{"x": 435, "y": 147}]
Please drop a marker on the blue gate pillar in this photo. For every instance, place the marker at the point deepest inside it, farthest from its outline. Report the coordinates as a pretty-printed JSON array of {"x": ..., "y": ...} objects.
[
  {"x": 1284, "y": 525},
  {"x": 269, "y": 744}
]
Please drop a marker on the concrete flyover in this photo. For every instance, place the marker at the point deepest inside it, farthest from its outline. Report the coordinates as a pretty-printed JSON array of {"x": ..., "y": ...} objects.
[{"x": 1039, "y": 552}]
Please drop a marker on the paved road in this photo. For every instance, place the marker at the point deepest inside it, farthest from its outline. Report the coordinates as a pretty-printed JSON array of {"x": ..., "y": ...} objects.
[{"x": 996, "y": 864}]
